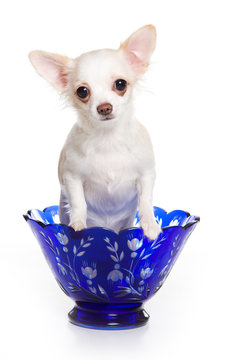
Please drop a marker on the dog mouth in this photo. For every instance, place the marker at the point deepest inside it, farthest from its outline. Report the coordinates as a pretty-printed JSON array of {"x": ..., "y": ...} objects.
[{"x": 106, "y": 117}]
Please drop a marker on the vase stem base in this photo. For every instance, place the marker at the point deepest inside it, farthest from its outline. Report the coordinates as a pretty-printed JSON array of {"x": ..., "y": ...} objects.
[{"x": 108, "y": 316}]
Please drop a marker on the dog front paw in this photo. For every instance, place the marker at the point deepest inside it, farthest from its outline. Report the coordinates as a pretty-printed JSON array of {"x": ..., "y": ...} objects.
[
  {"x": 77, "y": 225},
  {"x": 151, "y": 230}
]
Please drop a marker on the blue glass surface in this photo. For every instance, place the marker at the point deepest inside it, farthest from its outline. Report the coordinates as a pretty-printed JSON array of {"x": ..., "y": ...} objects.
[{"x": 110, "y": 275}]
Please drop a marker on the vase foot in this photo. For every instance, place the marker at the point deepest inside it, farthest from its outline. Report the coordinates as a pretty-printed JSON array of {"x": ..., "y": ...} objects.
[{"x": 108, "y": 316}]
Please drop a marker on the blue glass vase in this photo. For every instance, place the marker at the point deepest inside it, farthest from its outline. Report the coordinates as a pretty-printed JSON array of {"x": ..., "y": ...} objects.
[{"x": 110, "y": 275}]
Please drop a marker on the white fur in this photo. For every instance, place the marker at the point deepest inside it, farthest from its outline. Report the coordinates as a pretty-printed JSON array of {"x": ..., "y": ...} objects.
[{"x": 106, "y": 168}]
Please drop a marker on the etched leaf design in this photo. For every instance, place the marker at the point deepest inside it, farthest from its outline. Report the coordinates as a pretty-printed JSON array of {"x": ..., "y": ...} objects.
[
  {"x": 50, "y": 240},
  {"x": 81, "y": 253},
  {"x": 114, "y": 258},
  {"x": 53, "y": 251},
  {"x": 74, "y": 249},
  {"x": 154, "y": 243},
  {"x": 110, "y": 249},
  {"x": 121, "y": 256},
  {"x": 163, "y": 270},
  {"x": 73, "y": 276},
  {"x": 146, "y": 256},
  {"x": 142, "y": 253},
  {"x": 102, "y": 291},
  {"x": 157, "y": 246},
  {"x": 116, "y": 246},
  {"x": 86, "y": 245},
  {"x": 93, "y": 289},
  {"x": 123, "y": 291},
  {"x": 47, "y": 239}
]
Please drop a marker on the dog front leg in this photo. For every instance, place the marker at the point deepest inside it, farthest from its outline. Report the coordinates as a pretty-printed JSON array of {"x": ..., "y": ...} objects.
[
  {"x": 73, "y": 188},
  {"x": 147, "y": 220}
]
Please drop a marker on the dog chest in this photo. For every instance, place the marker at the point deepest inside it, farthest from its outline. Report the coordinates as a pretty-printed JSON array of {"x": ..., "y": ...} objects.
[
  {"x": 107, "y": 167},
  {"x": 109, "y": 180},
  {"x": 111, "y": 169}
]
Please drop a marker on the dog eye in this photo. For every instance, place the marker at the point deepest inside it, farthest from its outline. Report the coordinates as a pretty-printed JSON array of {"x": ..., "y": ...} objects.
[
  {"x": 120, "y": 84},
  {"x": 82, "y": 92}
]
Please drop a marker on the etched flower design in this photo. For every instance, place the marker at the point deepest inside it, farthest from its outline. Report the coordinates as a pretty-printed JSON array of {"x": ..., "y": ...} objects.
[
  {"x": 63, "y": 239},
  {"x": 135, "y": 244},
  {"x": 115, "y": 274},
  {"x": 89, "y": 272},
  {"x": 146, "y": 273}
]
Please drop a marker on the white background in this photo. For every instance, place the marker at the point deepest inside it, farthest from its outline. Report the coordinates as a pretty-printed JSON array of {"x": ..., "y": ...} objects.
[{"x": 190, "y": 105}]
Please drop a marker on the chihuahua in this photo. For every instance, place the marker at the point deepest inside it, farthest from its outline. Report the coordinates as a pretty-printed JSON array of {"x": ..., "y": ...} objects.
[{"x": 106, "y": 167}]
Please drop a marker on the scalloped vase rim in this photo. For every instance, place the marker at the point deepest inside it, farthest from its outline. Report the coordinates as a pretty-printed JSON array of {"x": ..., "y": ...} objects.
[{"x": 27, "y": 217}]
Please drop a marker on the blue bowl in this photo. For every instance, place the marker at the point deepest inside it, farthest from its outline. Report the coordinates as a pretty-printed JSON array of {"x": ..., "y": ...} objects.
[{"x": 110, "y": 275}]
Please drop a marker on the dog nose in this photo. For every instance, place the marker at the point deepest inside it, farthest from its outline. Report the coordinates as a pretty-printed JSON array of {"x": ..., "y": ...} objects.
[{"x": 104, "y": 109}]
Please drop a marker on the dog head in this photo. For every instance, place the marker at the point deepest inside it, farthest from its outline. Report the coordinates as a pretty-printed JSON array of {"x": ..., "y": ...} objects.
[{"x": 99, "y": 83}]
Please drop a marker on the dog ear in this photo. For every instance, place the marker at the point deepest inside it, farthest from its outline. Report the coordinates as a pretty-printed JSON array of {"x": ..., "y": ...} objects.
[
  {"x": 53, "y": 67},
  {"x": 138, "y": 48}
]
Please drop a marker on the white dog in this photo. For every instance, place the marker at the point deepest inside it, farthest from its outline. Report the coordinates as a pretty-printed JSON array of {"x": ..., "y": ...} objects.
[{"x": 106, "y": 167}]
